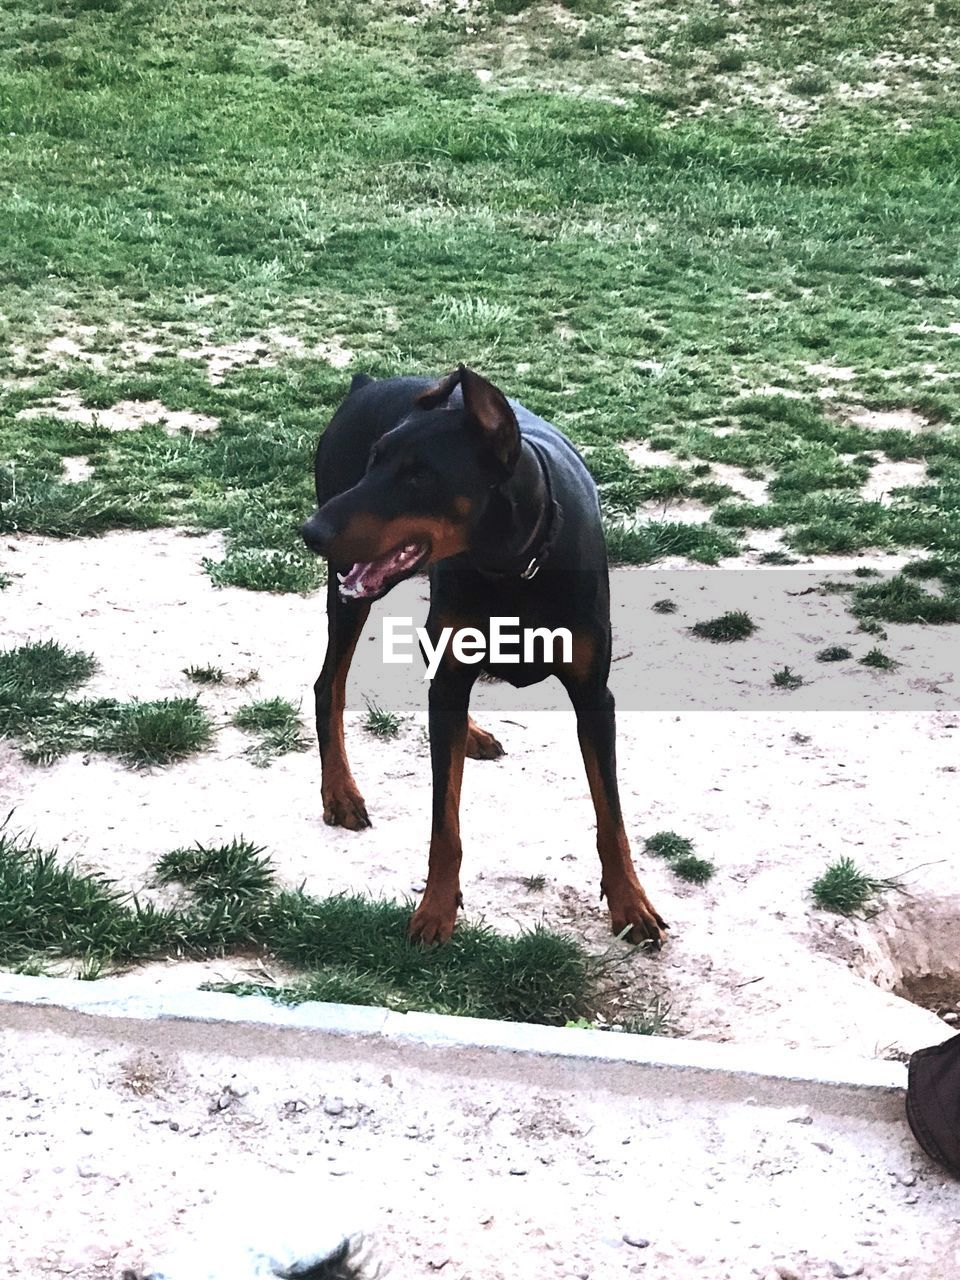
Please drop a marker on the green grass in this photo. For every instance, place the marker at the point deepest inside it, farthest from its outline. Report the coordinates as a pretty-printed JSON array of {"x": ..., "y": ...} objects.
[
  {"x": 664, "y": 606},
  {"x": 834, "y": 653},
  {"x": 845, "y": 889},
  {"x": 349, "y": 948},
  {"x": 669, "y": 845},
  {"x": 34, "y": 710},
  {"x": 381, "y": 723},
  {"x": 205, "y": 675},
  {"x": 236, "y": 869},
  {"x": 689, "y": 867},
  {"x": 787, "y": 678},
  {"x": 277, "y": 726},
  {"x": 720, "y": 216},
  {"x": 160, "y": 732},
  {"x": 678, "y": 851},
  {"x": 728, "y": 627},
  {"x": 879, "y": 660}
]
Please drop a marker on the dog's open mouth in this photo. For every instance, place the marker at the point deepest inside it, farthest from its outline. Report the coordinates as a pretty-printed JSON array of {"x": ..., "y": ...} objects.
[{"x": 370, "y": 578}]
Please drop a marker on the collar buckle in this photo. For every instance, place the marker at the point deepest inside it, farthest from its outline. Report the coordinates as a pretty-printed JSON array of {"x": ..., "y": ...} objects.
[{"x": 532, "y": 569}]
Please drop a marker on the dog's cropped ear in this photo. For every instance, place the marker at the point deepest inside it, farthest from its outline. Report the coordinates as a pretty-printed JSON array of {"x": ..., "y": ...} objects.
[
  {"x": 440, "y": 392},
  {"x": 490, "y": 410}
]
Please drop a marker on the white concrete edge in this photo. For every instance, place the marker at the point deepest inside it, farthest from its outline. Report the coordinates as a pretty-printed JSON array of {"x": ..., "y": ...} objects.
[{"x": 113, "y": 999}]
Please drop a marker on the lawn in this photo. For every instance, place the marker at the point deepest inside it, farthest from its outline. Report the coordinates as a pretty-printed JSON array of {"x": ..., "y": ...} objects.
[{"x": 727, "y": 233}]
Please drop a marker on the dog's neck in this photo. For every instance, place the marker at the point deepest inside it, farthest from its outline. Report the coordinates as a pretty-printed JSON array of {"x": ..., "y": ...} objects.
[{"x": 519, "y": 520}]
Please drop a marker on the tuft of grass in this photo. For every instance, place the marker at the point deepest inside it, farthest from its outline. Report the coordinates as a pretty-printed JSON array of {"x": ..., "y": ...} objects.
[
  {"x": 534, "y": 884},
  {"x": 787, "y": 678},
  {"x": 5, "y": 580},
  {"x": 664, "y": 606},
  {"x": 903, "y": 599},
  {"x": 237, "y": 869},
  {"x": 381, "y": 723},
  {"x": 159, "y": 732},
  {"x": 731, "y": 626},
  {"x": 879, "y": 660},
  {"x": 258, "y": 569},
  {"x": 667, "y": 844},
  {"x": 44, "y": 668},
  {"x": 834, "y": 653},
  {"x": 205, "y": 675},
  {"x": 689, "y": 867},
  {"x": 678, "y": 852},
  {"x": 845, "y": 889},
  {"x": 646, "y": 542},
  {"x": 277, "y": 725}
]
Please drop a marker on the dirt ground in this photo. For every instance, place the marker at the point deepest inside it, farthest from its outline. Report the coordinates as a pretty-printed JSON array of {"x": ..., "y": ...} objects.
[
  {"x": 771, "y": 792},
  {"x": 154, "y": 1139}
]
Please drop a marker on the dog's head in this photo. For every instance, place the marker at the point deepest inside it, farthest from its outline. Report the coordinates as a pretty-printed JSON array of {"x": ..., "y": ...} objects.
[{"x": 426, "y": 485}]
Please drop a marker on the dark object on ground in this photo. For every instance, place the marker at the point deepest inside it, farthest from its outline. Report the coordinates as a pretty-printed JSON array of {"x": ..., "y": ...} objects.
[
  {"x": 453, "y": 477},
  {"x": 933, "y": 1102}
]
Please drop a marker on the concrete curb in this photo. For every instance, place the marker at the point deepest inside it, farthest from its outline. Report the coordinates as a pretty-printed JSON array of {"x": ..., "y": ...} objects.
[{"x": 547, "y": 1056}]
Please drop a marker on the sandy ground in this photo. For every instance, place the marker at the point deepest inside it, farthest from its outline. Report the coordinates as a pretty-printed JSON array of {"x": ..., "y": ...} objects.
[
  {"x": 768, "y": 786},
  {"x": 484, "y": 1174}
]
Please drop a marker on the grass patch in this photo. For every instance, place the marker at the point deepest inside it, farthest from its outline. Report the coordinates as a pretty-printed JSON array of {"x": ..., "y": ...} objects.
[
  {"x": 787, "y": 678},
  {"x": 731, "y": 626},
  {"x": 205, "y": 675},
  {"x": 34, "y": 710},
  {"x": 834, "y": 653},
  {"x": 351, "y": 949},
  {"x": 159, "y": 732},
  {"x": 187, "y": 184},
  {"x": 381, "y": 723},
  {"x": 903, "y": 599},
  {"x": 277, "y": 725},
  {"x": 689, "y": 867},
  {"x": 266, "y": 570},
  {"x": 237, "y": 870},
  {"x": 879, "y": 660},
  {"x": 678, "y": 851},
  {"x": 669, "y": 845},
  {"x": 664, "y": 606},
  {"x": 846, "y": 890}
]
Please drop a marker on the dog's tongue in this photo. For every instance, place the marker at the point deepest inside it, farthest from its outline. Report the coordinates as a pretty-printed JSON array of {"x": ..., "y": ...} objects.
[{"x": 369, "y": 577}]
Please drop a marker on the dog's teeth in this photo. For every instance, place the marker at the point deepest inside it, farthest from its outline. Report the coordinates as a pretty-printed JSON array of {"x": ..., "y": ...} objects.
[{"x": 341, "y": 577}]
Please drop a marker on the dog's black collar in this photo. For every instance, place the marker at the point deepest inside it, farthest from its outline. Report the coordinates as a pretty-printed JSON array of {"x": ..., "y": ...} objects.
[{"x": 528, "y": 562}]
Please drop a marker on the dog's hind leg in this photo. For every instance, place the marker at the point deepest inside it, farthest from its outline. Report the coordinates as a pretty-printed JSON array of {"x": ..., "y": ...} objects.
[
  {"x": 481, "y": 745},
  {"x": 630, "y": 908},
  {"x": 343, "y": 804}
]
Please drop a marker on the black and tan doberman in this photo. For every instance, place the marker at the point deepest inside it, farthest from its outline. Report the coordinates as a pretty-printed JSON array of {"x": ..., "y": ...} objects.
[{"x": 454, "y": 478}]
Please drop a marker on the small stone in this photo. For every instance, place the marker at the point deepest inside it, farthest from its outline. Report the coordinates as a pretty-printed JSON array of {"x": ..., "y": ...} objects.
[
  {"x": 824, "y": 1146},
  {"x": 518, "y": 1173},
  {"x": 907, "y": 1179},
  {"x": 843, "y": 1269},
  {"x": 785, "y": 1272},
  {"x": 349, "y": 1122},
  {"x": 636, "y": 1242},
  {"x": 174, "y": 1126},
  {"x": 801, "y": 1120},
  {"x": 334, "y": 1107}
]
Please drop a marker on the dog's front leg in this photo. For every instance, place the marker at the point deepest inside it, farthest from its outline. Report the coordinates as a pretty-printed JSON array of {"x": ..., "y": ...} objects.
[
  {"x": 343, "y": 804},
  {"x": 630, "y": 908},
  {"x": 436, "y": 915}
]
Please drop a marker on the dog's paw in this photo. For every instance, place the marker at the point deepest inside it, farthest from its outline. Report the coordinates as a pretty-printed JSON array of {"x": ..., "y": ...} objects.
[
  {"x": 434, "y": 920},
  {"x": 482, "y": 745},
  {"x": 344, "y": 807},
  {"x": 632, "y": 911}
]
